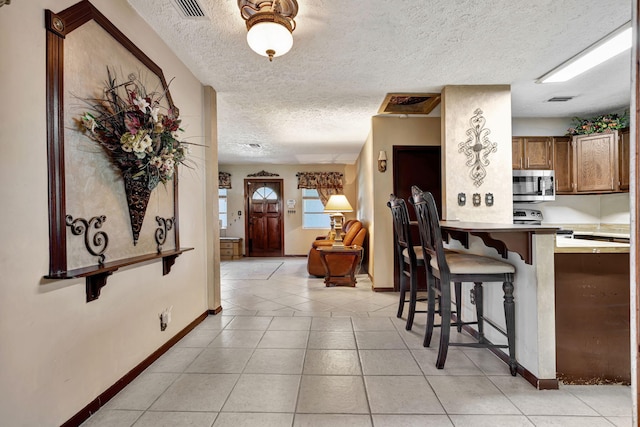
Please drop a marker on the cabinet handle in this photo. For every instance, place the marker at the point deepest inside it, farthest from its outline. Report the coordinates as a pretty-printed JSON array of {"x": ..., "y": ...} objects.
[
  {"x": 520, "y": 162},
  {"x": 528, "y": 161}
]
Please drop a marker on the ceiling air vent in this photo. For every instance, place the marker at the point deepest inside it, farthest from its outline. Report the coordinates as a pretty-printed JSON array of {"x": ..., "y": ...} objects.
[
  {"x": 254, "y": 146},
  {"x": 560, "y": 99},
  {"x": 190, "y": 8}
]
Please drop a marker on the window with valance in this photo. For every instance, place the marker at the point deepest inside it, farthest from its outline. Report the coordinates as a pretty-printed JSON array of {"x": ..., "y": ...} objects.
[
  {"x": 224, "y": 180},
  {"x": 326, "y": 183}
]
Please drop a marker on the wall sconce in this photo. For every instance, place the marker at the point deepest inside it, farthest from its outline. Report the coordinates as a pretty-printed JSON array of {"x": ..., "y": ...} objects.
[{"x": 382, "y": 161}]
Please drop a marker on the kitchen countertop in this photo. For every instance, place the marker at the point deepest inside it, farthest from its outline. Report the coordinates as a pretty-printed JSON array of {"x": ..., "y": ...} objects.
[
  {"x": 567, "y": 244},
  {"x": 617, "y": 233}
]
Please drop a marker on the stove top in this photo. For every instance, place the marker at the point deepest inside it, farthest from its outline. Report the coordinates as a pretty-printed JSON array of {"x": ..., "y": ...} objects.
[{"x": 527, "y": 216}]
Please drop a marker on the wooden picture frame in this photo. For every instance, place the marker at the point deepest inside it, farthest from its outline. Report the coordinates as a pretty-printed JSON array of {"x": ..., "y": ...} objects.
[{"x": 59, "y": 26}]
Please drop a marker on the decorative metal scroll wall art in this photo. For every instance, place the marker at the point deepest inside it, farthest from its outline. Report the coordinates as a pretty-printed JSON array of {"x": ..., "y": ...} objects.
[
  {"x": 262, "y": 173},
  {"x": 477, "y": 148}
]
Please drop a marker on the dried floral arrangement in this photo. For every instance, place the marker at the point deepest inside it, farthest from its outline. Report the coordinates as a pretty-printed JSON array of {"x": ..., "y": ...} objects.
[
  {"x": 139, "y": 136},
  {"x": 140, "y": 139},
  {"x": 598, "y": 124}
]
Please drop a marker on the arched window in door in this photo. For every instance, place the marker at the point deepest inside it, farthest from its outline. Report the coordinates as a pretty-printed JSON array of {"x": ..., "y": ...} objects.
[{"x": 264, "y": 193}]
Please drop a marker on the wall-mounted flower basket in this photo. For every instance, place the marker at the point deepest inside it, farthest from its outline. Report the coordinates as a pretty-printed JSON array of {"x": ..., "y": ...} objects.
[{"x": 114, "y": 182}]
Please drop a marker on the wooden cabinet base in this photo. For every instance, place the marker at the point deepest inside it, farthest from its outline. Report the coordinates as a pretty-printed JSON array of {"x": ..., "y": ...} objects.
[
  {"x": 230, "y": 248},
  {"x": 592, "y": 318}
]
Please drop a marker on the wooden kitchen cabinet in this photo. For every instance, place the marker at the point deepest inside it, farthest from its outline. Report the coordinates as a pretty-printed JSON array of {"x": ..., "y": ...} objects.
[
  {"x": 591, "y": 164},
  {"x": 624, "y": 159},
  {"x": 592, "y": 318},
  {"x": 562, "y": 164},
  {"x": 517, "y": 153},
  {"x": 532, "y": 152},
  {"x": 596, "y": 162}
]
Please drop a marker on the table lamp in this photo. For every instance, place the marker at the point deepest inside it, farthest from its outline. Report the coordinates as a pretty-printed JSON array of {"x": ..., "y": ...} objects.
[{"x": 336, "y": 205}]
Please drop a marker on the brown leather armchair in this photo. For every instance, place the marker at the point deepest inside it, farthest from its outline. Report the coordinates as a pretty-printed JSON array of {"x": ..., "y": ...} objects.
[{"x": 355, "y": 234}]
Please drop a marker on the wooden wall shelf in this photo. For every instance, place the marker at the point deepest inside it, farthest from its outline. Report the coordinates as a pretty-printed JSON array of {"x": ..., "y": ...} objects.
[{"x": 96, "y": 275}]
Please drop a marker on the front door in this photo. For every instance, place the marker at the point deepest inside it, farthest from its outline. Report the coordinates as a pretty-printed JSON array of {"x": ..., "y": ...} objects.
[{"x": 264, "y": 227}]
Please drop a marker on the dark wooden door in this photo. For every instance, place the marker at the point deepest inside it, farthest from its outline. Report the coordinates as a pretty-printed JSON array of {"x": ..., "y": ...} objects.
[
  {"x": 264, "y": 226},
  {"x": 421, "y": 166}
]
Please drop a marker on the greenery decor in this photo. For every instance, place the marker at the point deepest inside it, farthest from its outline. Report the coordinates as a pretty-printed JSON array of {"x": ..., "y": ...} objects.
[
  {"x": 604, "y": 123},
  {"x": 138, "y": 136}
]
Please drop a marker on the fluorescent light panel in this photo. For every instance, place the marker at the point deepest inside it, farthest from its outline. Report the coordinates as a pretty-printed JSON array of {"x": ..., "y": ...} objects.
[{"x": 610, "y": 46}]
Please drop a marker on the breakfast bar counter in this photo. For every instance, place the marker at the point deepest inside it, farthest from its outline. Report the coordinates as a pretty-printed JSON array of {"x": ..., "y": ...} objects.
[{"x": 530, "y": 248}]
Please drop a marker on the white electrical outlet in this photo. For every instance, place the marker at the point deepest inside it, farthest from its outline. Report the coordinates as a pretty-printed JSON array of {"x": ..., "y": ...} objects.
[{"x": 165, "y": 318}]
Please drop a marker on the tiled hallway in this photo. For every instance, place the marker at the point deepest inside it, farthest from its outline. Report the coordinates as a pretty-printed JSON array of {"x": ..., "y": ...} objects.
[{"x": 286, "y": 351}]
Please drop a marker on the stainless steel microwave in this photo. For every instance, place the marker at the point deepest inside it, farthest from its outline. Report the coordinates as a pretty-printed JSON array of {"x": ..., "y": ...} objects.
[{"x": 533, "y": 185}]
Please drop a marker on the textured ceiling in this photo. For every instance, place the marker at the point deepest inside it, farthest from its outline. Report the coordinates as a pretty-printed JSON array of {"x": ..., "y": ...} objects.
[{"x": 314, "y": 104}]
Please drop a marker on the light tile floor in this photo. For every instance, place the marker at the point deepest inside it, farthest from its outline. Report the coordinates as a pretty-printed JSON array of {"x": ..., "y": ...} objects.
[{"x": 287, "y": 351}]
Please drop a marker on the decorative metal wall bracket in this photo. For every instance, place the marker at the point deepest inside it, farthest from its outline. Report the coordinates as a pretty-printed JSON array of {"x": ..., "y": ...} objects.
[
  {"x": 164, "y": 226},
  {"x": 96, "y": 245},
  {"x": 477, "y": 148}
]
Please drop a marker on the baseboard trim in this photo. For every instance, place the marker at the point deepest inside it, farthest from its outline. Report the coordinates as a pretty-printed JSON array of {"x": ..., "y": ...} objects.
[
  {"x": 104, "y": 397},
  {"x": 540, "y": 384},
  {"x": 380, "y": 289},
  {"x": 216, "y": 311}
]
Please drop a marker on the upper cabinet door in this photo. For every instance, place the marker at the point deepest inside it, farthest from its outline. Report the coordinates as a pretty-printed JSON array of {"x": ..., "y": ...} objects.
[
  {"x": 517, "y": 153},
  {"x": 623, "y": 164},
  {"x": 563, "y": 164},
  {"x": 596, "y": 162},
  {"x": 538, "y": 152}
]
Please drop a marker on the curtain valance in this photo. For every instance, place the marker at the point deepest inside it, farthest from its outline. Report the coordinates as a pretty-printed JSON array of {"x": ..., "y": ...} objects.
[
  {"x": 327, "y": 183},
  {"x": 224, "y": 180}
]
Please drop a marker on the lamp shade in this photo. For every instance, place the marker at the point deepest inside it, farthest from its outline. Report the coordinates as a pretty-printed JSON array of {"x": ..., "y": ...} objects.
[
  {"x": 338, "y": 203},
  {"x": 269, "y": 39}
]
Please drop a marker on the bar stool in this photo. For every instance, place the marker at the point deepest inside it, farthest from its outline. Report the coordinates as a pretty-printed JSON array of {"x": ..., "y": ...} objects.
[
  {"x": 447, "y": 267},
  {"x": 409, "y": 258}
]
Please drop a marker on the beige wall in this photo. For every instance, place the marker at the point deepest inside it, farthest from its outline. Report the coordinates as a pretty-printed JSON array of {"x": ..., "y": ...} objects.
[
  {"x": 58, "y": 352},
  {"x": 459, "y": 104},
  {"x": 388, "y": 131},
  {"x": 297, "y": 240}
]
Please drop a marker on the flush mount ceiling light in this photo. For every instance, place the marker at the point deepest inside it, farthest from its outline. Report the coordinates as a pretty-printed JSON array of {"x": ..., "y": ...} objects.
[
  {"x": 604, "y": 49},
  {"x": 270, "y": 25}
]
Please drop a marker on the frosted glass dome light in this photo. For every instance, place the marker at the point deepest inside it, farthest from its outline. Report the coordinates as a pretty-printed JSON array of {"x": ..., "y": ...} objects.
[{"x": 269, "y": 39}]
